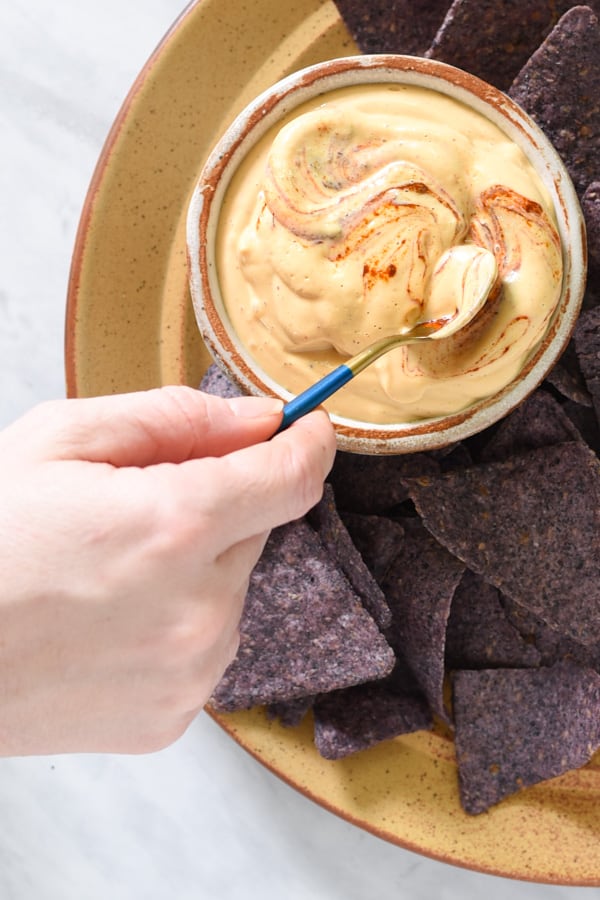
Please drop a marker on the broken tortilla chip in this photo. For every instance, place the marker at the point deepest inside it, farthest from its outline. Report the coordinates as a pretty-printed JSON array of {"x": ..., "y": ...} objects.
[{"x": 216, "y": 382}]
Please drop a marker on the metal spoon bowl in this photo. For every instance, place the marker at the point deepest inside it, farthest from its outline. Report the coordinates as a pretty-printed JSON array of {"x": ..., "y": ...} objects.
[{"x": 433, "y": 329}]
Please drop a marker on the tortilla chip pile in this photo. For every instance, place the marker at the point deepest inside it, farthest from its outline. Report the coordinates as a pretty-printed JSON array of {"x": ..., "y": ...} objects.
[{"x": 460, "y": 588}]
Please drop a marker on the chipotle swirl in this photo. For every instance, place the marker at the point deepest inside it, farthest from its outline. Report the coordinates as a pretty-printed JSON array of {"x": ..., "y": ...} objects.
[{"x": 368, "y": 210}]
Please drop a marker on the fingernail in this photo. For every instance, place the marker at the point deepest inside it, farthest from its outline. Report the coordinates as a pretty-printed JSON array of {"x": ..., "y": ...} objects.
[{"x": 255, "y": 407}]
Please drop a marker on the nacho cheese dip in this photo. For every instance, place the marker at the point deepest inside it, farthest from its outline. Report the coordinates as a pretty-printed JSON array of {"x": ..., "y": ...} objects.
[{"x": 367, "y": 210}]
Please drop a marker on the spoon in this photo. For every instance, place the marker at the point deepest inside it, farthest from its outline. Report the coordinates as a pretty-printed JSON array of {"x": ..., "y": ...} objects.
[{"x": 433, "y": 329}]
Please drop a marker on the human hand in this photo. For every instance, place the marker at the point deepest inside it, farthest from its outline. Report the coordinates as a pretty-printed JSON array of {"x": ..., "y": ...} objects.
[{"x": 129, "y": 526}]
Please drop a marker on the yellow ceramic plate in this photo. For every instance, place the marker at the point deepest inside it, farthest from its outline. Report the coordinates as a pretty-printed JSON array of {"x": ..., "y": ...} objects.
[{"x": 130, "y": 326}]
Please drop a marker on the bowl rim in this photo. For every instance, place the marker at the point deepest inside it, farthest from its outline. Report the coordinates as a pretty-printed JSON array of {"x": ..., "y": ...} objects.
[{"x": 281, "y": 99}]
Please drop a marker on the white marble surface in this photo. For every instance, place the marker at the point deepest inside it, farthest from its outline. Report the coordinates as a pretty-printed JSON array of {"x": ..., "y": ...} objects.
[{"x": 201, "y": 819}]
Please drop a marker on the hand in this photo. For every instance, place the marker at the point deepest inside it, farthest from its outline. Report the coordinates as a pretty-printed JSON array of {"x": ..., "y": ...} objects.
[{"x": 129, "y": 526}]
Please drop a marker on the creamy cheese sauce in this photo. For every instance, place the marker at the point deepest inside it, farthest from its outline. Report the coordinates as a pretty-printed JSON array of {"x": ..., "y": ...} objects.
[{"x": 370, "y": 209}]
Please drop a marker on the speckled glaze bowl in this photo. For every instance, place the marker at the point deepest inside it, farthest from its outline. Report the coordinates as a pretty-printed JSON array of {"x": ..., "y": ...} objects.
[{"x": 281, "y": 99}]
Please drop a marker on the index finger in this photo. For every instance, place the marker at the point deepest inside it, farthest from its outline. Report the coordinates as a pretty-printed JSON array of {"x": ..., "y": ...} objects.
[{"x": 254, "y": 489}]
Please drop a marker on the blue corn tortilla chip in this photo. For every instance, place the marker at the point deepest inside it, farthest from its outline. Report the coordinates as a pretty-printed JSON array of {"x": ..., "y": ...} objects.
[
  {"x": 377, "y": 539},
  {"x": 373, "y": 485},
  {"x": 494, "y": 40},
  {"x": 303, "y": 629},
  {"x": 456, "y": 456},
  {"x": 479, "y": 633},
  {"x": 419, "y": 586},
  {"x": 290, "y": 712},
  {"x": 559, "y": 87},
  {"x": 334, "y": 535},
  {"x": 551, "y": 645},
  {"x": 590, "y": 205},
  {"x": 383, "y": 27},
  {"x": 566, "y": 378},
  {"x": 517, "y": 727},
  {"x": 216, "y": 382},
  {"x": 591, "y": 209},
  {"x": 586, "y": 422},
  {"x": 538, "y": 422},
  {"x": 530, "y": 525},
  {"x": 360, "y": 717},
  {"x": 587, "y": 344}
]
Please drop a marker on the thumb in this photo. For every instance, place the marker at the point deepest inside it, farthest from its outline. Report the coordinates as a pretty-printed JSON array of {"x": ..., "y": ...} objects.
[{"x": 169, "y": 424}]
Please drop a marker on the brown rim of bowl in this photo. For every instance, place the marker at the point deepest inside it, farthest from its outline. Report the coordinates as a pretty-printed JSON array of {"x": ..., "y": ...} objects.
[{"x": 281, "y": 99}]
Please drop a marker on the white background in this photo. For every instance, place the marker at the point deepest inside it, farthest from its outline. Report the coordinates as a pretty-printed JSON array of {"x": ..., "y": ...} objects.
[{"x": 201, "y": 819}]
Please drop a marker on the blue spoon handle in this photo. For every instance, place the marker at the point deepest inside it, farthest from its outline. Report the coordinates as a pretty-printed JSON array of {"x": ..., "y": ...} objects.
[{"x": 314, "y": 395}]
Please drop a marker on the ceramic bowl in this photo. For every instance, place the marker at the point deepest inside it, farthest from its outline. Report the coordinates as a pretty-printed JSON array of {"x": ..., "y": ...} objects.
[{"x": 278, "y": 102}]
